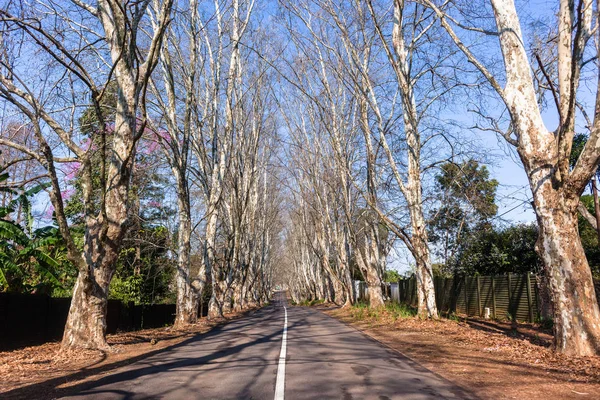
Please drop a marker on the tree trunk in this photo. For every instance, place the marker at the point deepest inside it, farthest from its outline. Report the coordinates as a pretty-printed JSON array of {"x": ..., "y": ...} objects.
[
  {"x": 187, "y": 299},
  {"x": 215, "y": 305},
  {"x": 348, "y": 285},
  {"x": 372, "y": 278},
  {"x": 86, "y": 321},
  {"x": 576, "y": 312},
  {"x": 375, "y": 292},
  {"x": 209, "y": 267},
  {"x": 427, "y": 307}
]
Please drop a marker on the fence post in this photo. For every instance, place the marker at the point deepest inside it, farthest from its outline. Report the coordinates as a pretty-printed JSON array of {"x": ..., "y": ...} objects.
[
  {"x": 536, "y": 290},
  {"x": 401, "y": 290},
  {"x": 454, "y": 299},
  {"x": 466, "y": 297},
  {"x": 529, "y": 300},
  {"x": 494, "y": 296},
  {"x": 478, "y": 295},
  {"x": 510, "y": 302}
]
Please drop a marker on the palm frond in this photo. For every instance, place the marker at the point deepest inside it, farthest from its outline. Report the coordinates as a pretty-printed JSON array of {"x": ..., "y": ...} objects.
[
  {"x": 12, "y": 231},
  {"x": 3, "y": 281}
]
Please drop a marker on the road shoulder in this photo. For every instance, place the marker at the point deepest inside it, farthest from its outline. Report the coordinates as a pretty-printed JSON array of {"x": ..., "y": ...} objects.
[{"x": 489, "y": 364}]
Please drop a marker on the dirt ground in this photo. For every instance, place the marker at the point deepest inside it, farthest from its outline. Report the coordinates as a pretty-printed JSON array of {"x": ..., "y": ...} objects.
[
  {"x": 43, "y": 372},
  {"x": 491, "y": 359}
]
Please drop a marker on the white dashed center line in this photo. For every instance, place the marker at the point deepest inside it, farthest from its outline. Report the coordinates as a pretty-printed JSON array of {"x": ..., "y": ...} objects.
[{"x": 280, "y": 383}]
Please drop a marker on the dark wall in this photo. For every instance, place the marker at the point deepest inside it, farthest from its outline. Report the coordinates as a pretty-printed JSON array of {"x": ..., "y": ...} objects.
[{"x": 27, "y": 319}]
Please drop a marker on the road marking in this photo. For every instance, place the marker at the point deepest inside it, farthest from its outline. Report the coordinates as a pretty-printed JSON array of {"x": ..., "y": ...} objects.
[{"x": 280, "y": 383}]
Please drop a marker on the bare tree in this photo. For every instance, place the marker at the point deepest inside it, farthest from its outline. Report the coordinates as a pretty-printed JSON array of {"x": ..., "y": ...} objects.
[
  {"x": 212, "y": 142},
  {"x": 181, "y": 63},
  {"x": 127, "y": 63},
  {"x": 212, "y": 103},
  {"x": 352, "y": 43},
  {"x": 545, "y": 153}
]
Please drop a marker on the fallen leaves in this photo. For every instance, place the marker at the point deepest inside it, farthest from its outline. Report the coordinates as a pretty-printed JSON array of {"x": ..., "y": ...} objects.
[
  {"x": 493, "y": 359},
  {"x": 31, "y": 365}
]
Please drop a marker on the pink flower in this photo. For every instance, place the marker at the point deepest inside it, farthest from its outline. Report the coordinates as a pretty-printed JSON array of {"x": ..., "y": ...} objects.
[
  {"x": 154, "y": 204},
  {"x": 68, "y": 193},
  {"x": 71, "y": 170},
  {"x": 165, "y": 136},
  {"x": 49, "y": 212},
  {"x": 151, "y": 148}
]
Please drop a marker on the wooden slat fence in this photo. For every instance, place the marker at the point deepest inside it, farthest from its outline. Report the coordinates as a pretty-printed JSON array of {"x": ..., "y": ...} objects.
[{"x": 507, "y": 296}]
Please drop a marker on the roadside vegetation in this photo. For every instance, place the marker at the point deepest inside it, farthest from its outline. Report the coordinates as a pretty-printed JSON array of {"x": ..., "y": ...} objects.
[{"x": 389, "y": 312}]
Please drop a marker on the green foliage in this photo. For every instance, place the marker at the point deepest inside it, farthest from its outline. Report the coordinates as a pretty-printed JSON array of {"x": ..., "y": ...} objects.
[
  {"x": 468, "y": 186},
  {"x": 467, "y": 204},
  {"x": 361, "y": 310},
  {"x": 579, "y": 141},
  {"x": 144, "y": 269},
  {"x": 89, "y": 121},
  {"x": 391, "y": 276},
  {"x": 400, "y": 310},
  {"x": 31, "y": 260},
  {"x": 498, "y": 251},
  {"x": 127, "y": 288},
  {"x": 453, "y": 317},
  {"x": 313, "y": 302}
]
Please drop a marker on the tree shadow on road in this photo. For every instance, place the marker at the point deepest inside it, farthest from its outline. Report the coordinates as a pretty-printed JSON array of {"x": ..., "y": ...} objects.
[{"x": 90, "y": 375}]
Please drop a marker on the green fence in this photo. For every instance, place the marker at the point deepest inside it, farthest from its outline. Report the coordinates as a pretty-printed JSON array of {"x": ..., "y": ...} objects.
[{"x": 507, "y": 296}]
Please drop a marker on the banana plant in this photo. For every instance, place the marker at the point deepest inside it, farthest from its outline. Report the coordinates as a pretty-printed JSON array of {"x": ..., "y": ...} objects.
[{"x": 24, "y": 250}]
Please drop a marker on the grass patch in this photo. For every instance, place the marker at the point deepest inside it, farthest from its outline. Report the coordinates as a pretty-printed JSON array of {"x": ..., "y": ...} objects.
[
  {"x": 361, "y": 311},
  {"x": 453, "y": 317},
  {"x": 308, "y": 303},
  {"x": 401, "y": 310}
]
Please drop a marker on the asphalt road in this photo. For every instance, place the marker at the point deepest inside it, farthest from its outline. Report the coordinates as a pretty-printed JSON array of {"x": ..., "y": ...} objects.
[{"x": 325, "y": 359}]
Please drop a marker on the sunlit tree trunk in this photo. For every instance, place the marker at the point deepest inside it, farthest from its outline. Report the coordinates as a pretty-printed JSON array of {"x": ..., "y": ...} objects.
[
  {"x": 545, "y": 156},
  {"x": 86, "y": 322}
]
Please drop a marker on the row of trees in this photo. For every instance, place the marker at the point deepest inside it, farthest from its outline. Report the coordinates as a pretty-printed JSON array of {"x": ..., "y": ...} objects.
[
  {"x": 376, "y": 89},
  {"x": 124, "y": 101},
  {"x": 368, "y": 98}
]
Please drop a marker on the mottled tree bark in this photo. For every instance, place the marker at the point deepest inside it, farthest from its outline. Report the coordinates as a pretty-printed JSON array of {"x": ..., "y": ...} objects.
[
  {"x": 545, "y": 156},
  {"x": 187, "y": 298},
  {"x": 86, "y": 322},
  {"x": 576, "y": 314}
]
